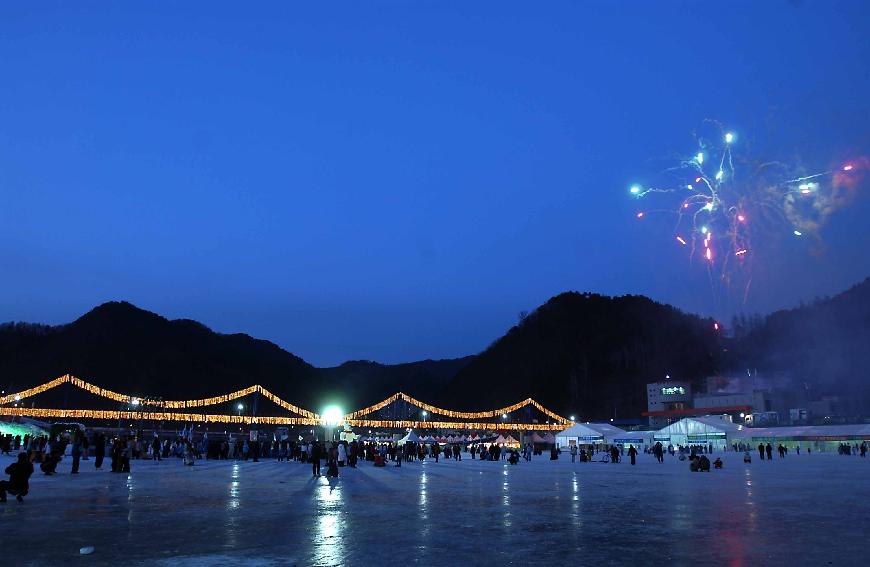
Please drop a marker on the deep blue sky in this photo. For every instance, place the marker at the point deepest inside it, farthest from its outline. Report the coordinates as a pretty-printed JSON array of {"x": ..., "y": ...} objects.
[{"x": 396, "y": 181}]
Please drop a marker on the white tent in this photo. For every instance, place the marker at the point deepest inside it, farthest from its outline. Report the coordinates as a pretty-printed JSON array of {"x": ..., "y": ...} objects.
[
  {"x": 706, "y": 430},
  {"x": 587, "y": 434},
  {"x": 411, "y": 437}
]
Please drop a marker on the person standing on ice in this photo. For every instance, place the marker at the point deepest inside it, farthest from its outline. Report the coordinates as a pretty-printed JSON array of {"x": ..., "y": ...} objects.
[
  {"x": 315, "y": 458},
  {"x": 761, "y": 451},
  {"x": 632, "y": 453},
  {"x": 573, "y": 452},
  {"x": 658, "y": 451},
  {"x": 769, "y": 450},
  {"x": 342, "y": 455}
]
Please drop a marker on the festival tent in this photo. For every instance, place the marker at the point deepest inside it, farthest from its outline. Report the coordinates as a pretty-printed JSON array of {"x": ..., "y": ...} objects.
[
  {"x": 27, "y": 427},
  {"x": 818, "y": 437},
  {"x": 586, "y": 434},
  {"x": 716, "y": 430},
  {"x": 537, "y": 438},
  {"x": 500, "y": 440},
  {"x": 511, "y": 442},
  {"x": 411, "y": 437}
]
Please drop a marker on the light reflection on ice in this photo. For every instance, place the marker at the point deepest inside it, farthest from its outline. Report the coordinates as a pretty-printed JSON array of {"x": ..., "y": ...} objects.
[
  {"x": 506, "y": 499},
  {"x": 329, "y": 536},
  {"x": 231, "y": 524}
]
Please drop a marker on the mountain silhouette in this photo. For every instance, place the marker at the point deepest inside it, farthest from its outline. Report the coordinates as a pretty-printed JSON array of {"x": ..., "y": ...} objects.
[
  {"x": 590, "y": 356},
  {"x": 580, "y": 354}
]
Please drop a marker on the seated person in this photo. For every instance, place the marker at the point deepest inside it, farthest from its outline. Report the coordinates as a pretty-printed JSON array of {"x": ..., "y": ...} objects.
[
  {"x": 704, "y": 463},
  {"x": 694, "y": 463},
  {"x": 19, "y": 476},
  {"x": 514, "y": 458},
  {"x": 717, "y": 463},
  {"x": 747, "y": 458},
  {"x": 379, "y": 461}
]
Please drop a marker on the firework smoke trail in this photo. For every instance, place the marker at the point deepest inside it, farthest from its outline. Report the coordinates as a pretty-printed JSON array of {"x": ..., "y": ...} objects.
[{"x": 728, "y": 217}]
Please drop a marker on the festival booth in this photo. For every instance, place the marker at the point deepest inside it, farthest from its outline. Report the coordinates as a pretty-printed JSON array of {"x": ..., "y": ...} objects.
[
  {"x": 411, "y": 437},
  {"x": 590, "y": 434},
  {"x": 715, "y": 430},
  {"x": 815, "y": 437},
  {"x": 25, "y": 427},
  {"x": 641, "y": 440}
]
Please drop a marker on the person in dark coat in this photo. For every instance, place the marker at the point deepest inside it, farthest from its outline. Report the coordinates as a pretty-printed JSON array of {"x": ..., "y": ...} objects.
[
  {"x": 19, "y": 478},
  {"x": 761, "y": 451},
  {"x": 614, "y": 454},
  {"x": 76, "y": 452},
  {"x": 632, "y": 453},
  {"x": 315, "y": 458},
  {"x": 769, "y": 450},
  {"x": 99, "y": 450}
]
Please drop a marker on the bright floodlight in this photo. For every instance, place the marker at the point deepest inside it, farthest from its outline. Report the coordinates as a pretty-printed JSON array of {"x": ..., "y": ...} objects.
[
  {"x": 241, "y": 407},
  {"x": 729, "y": 137},
  {"x": 798, "y": 233},
  {"x": 332, "y": 415},
  {"x": 424, "y": 413},
  {"x": 719, "y": 175},
  {"x": 700, "y": 158},
  {"x": 135, "y": 401},
  {"x": 504, "y": 416},
  {"x": 634, "y": 190},
  {"x": 572, "y": 418}
]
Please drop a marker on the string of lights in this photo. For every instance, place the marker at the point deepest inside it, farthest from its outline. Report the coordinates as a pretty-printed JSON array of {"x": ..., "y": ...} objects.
[
  {"x": 307, "y": 417},
  {"x": 171, "y": 404},
  {"x": 373, "y": 408},
  {"x": 259, "y": 420},
  {"x": 453, "y": 413}
]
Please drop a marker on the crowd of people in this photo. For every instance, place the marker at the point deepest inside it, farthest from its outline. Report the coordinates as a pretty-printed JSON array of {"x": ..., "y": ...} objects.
[{"x": 123, "y": 450}]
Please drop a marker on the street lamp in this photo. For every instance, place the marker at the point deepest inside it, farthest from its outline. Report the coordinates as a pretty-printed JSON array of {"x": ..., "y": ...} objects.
[
  {"x": 331, "y": 417},
  {"x": 424, "y": 415},
  {"x": 572, "y": 418},
  {"x": 240, "y": 407}
]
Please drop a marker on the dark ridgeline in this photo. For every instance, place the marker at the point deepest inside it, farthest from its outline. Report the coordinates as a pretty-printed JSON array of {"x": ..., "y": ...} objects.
[
  {"x": 582, "y": 353},
  {"x": 129, "y": 350},
  {"x": 590, "y": 355},
  {"x": 813, "y": 350}
]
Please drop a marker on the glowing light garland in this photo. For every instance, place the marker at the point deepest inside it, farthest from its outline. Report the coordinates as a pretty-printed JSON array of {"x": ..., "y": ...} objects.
[
  {"x": 453, "y": 413},
  {"x": 171, "y": 404},
  {"x": 264, "y": 420},
  {"x": 307, "y": 417}
]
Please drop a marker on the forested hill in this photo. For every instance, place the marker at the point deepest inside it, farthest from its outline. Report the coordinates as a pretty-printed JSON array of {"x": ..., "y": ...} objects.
[
  {"x": 589, "y": 355},
  {"x": 126, "y": 349},
  {"x": 579, "y": 353},
  {"x": 823, "y": 347}
]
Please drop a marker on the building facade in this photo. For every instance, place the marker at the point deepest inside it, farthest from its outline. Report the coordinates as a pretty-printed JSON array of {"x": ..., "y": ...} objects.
[{"x": 664, "y": 397}]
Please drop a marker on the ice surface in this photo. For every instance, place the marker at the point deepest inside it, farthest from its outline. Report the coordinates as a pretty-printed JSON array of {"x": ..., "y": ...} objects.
[{"x": 801, "y": 510}]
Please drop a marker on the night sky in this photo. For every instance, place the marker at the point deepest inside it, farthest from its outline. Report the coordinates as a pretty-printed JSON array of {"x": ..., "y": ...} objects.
[{"x": 393, "y": 180}]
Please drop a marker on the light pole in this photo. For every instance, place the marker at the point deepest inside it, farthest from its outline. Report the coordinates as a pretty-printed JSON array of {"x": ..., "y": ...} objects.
[{"x": 331, "y": 417}]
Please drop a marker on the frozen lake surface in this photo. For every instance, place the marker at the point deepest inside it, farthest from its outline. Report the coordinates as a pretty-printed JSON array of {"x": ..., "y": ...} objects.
[{"x": 801, "y": 510}]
